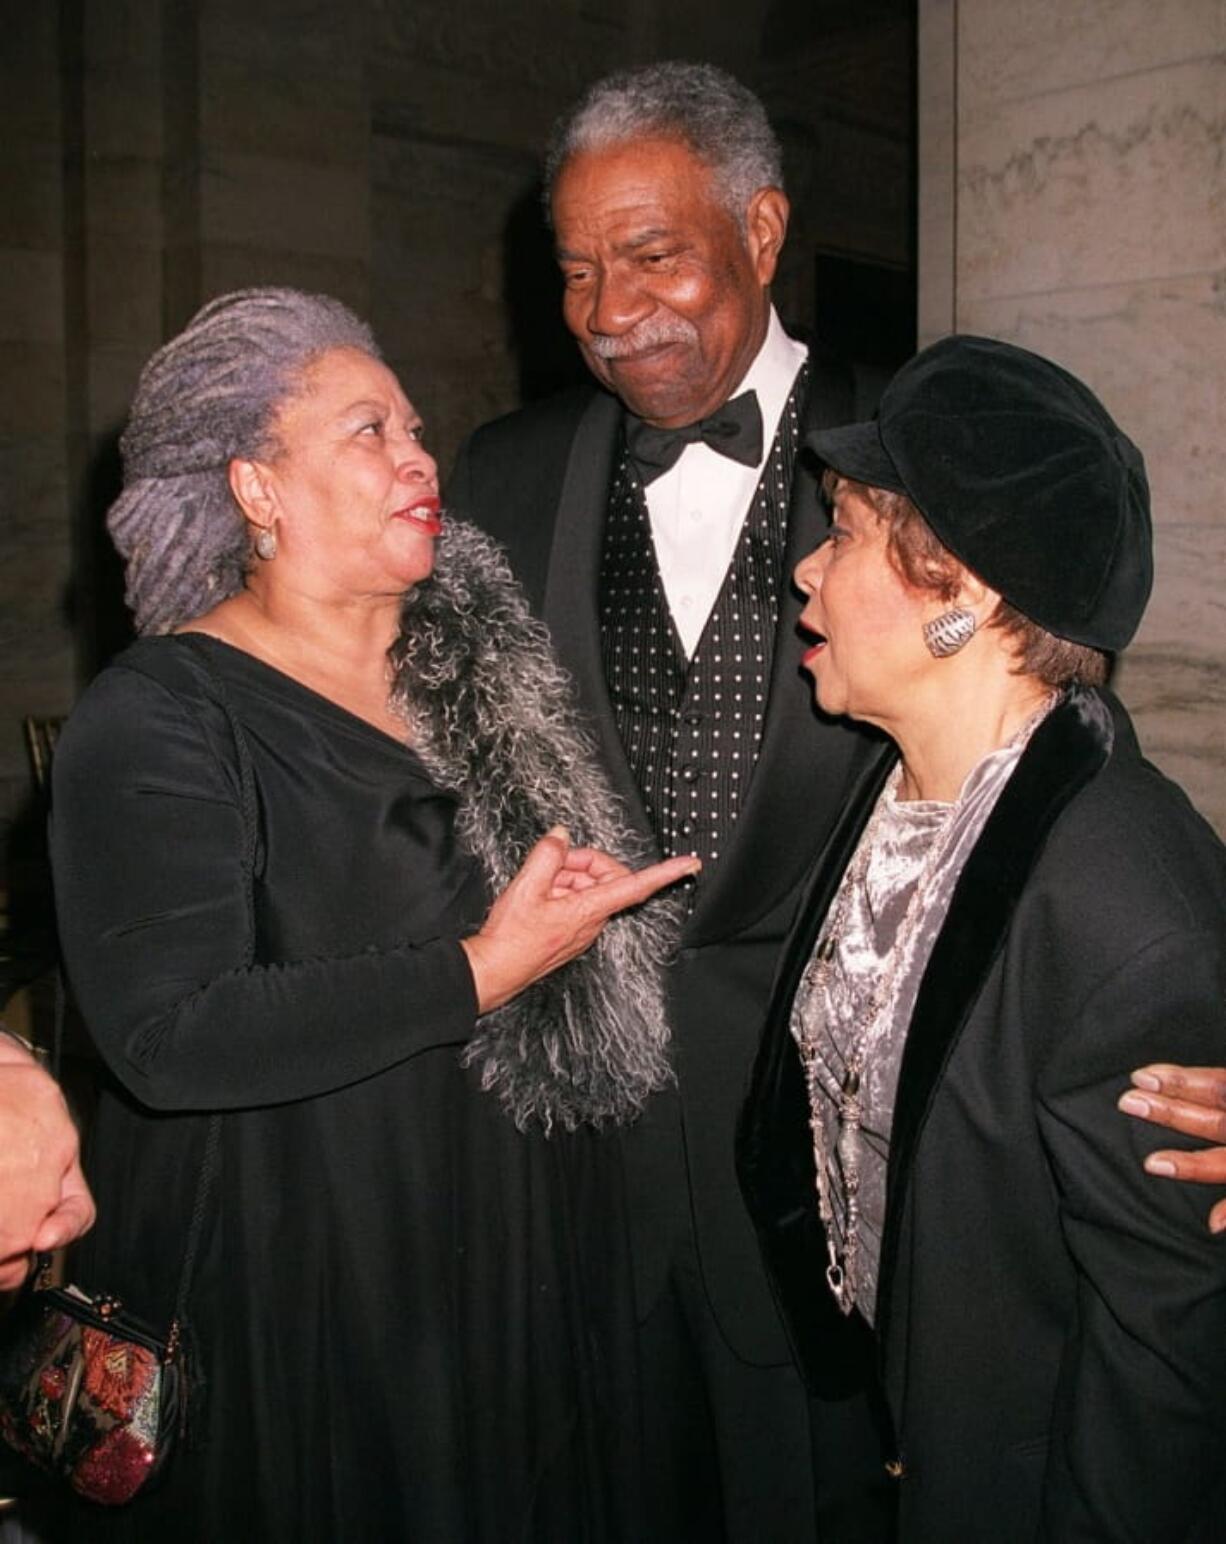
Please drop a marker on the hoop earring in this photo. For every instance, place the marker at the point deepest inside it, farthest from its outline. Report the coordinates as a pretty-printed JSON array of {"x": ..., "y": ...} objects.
[
  {"x": 266, "y": 543},
  {"x": 949, "y": 632}
]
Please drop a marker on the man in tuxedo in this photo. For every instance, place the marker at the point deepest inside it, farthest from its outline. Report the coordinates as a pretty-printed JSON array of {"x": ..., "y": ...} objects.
[{"x": 655, "y": 521}]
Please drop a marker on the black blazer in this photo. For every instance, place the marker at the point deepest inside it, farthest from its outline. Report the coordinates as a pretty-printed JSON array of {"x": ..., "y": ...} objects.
[
  {"x": 538, "y": 480},
  {"x": 1051, "y": 1322}
]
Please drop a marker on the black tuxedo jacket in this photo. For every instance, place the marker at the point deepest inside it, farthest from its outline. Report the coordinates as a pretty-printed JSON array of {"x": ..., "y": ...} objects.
[
  {"x": 1051, "y": 1322},
  {"x": 538, "y": 480}
]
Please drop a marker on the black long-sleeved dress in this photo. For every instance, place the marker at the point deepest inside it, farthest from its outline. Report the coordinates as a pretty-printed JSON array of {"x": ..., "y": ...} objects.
[{"x": 408, "y": 1316}]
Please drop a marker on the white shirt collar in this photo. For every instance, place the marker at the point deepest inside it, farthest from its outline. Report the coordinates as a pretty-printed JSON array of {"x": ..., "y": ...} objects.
[{"x": 771, "y": 376}]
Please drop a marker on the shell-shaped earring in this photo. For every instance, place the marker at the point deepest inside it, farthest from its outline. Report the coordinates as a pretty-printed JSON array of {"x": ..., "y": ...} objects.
[
  {"x": 266, "y": 543},
  {"x": 949, "y": 632}
]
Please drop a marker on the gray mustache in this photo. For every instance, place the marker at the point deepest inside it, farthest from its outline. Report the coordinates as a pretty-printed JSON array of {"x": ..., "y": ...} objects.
[{"x": 651, "y": 333}]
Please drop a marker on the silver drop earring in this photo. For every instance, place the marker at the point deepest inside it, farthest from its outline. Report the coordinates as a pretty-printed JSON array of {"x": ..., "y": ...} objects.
[
  {"x": 949, "y": 632},
  {"x": 266, "y": 543}
]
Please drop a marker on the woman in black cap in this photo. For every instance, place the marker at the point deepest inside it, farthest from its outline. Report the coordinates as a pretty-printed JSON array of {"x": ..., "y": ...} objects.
[{"x": 1015, "y": 910}]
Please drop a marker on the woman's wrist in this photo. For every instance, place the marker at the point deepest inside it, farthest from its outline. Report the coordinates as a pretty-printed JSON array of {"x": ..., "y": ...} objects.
[{"x": 491, "y": 982}]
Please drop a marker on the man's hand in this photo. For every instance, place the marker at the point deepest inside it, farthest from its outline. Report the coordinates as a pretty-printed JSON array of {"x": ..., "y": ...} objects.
[
  {"x": 44, "y": 1200},
  {"x": 553, "y": 910},
  {"x": 1191, "y": 1100}
]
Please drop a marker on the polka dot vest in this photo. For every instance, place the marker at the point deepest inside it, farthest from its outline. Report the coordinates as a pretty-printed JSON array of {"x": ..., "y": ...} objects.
[{"x": 692, "y": 729}]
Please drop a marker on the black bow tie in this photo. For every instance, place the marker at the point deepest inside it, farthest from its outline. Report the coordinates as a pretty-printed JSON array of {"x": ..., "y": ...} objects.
[{"x": 735, "y": 430}]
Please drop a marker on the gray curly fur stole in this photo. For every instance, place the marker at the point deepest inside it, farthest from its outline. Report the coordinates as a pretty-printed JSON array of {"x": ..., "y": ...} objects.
[{"x": 493, "y": 718}]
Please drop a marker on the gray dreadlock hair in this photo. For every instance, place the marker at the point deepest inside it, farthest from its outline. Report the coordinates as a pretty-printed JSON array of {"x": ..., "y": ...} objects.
[
  {"x": 722, "y": 122},
  {"x": 209, "y": 395}
]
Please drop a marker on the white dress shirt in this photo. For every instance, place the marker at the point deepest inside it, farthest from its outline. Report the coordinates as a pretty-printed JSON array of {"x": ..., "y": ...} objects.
[{"x": 698, "y": 506}]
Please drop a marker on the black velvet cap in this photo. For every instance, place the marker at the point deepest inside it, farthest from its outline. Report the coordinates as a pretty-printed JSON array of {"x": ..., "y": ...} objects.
[{"x": 1023, "y": 475}]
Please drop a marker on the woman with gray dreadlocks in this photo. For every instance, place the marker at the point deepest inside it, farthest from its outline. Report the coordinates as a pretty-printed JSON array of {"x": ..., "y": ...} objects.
[{"x": 279, "y": 820}]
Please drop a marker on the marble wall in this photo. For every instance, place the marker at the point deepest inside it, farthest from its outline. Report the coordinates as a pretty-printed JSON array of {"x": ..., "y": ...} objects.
[{"x": 1072, "y": 190}]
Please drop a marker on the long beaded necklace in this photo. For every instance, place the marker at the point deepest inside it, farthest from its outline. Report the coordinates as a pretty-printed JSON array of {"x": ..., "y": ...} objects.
[{"x": 841, "y": 1266}]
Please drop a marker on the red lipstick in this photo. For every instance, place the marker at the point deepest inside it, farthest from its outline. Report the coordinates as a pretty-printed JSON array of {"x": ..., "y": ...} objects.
[{"x": 425, "y": 512}]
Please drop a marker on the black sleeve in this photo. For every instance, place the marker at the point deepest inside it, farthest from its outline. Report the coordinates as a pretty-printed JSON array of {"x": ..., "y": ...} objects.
[
  {"x": 1140, "y": 1423},
  {"x": 153, "y": 896}
]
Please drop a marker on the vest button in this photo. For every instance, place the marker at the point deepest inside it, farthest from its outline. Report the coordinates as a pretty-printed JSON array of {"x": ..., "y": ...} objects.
[
  {"x": 686, "y": 827},
  {"x": 691, "y": 772},
  {"x": 691, "y": 718},
  {"x": 896, "y": 1469}
]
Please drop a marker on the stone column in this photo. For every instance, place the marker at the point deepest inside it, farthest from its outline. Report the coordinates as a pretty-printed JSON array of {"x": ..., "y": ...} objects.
[{"x": 1072, "y": 194}]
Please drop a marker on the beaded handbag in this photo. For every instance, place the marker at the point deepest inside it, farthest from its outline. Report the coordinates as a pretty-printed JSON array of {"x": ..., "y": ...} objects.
[{"x": 88, "y": 1393}]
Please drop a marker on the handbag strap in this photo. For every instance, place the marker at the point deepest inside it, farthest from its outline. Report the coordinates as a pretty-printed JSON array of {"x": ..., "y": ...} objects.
[
  {"x": 209, "y": 1164},
  {"x": 41, "y": 1275},
  {"x": 210, "y": 1161},
  {"x": 249, "y": 810}
]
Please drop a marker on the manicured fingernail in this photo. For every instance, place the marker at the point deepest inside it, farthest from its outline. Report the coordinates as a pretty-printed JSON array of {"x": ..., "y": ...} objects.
[
  {"x": 1133, "y": 1104},
  {"x": 1156, "y": 1165},
  {"x": 1143, "y": 1079}
]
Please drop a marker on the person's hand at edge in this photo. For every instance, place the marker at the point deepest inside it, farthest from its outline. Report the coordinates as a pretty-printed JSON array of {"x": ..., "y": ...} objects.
[
  {"x": 1191, "y": 1100},
  {"x": 44, "y": 1199}
]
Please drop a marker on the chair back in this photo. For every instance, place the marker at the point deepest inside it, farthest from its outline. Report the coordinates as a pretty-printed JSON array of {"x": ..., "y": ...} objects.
[{"x": 41, "y": 735}]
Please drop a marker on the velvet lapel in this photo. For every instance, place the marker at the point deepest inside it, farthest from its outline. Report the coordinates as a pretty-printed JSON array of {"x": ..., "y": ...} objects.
[
  {"x": 803, "y": 768},
  {"x": 1068, "y": 749},
  {"x": 774, "y": 1151},
  {"x": 572, "y": 602}
]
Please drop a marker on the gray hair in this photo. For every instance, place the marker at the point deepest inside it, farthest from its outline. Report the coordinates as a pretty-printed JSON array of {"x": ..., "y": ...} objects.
[
  {"x": 209, "y": 395},
  {"x": 721, "y": 121}
]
